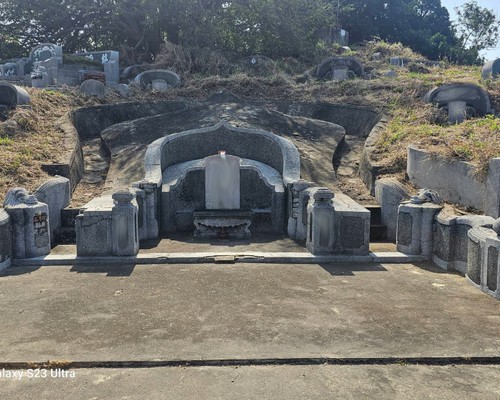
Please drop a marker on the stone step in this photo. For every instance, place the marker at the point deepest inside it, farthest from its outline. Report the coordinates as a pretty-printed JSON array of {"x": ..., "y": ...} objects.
[
  {"x": 378, "y": 233},
  {"x": 68, "y": 217},
  {"x": 64, "y": 235}
]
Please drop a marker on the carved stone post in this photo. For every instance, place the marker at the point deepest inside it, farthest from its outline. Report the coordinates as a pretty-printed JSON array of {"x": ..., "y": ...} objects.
[
  {"x": 320, "y": 223},
  {"x": 30, "y": 224},
  {"x": 125, "y": 230}
]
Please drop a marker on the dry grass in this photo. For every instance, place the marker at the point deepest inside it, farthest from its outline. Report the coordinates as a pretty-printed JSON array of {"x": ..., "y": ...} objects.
[{"x": 35, "y": 141}]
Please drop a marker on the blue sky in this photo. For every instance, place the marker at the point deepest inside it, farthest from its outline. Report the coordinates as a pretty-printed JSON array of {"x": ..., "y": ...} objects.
[{"x": 491, "y": 4}]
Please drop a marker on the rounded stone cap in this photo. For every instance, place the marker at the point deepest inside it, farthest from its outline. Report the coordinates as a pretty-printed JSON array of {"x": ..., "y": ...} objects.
[
  {"x": 123, "y": 196},
  {"x": 323, "y": 194}
]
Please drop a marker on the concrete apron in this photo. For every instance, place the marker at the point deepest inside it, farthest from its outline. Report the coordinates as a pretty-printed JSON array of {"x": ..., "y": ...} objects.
[{"x": 220, "y": 258}]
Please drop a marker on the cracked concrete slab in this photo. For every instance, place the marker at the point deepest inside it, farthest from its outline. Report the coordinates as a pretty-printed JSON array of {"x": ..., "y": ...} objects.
[{"x": 216, "y": 311}]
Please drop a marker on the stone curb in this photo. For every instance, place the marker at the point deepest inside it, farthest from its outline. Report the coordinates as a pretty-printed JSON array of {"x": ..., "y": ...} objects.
[{"x": 219, "y": 258}]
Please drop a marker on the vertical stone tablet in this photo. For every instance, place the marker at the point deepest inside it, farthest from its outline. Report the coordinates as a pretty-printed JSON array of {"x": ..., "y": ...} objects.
[{"x": 222, "y": 182}]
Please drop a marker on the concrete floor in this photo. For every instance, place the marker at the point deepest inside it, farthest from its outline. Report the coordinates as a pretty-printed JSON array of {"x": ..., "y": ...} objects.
[{"x": 249, "y": 311}]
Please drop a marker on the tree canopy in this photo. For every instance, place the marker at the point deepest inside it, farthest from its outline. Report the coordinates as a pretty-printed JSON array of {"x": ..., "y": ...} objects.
[{"x": 275, "y": 28}]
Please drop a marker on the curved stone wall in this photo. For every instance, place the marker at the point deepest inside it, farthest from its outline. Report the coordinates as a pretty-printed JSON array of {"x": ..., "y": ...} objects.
[
  {"x": 253, "y": 144},
  {"x": 455, "y": 181}
]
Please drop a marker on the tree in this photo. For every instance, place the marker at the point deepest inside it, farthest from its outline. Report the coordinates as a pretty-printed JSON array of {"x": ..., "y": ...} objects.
[{"x": 477, "y": 28}]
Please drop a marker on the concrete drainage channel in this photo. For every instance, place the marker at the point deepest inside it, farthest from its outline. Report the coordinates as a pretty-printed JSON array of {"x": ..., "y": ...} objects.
[
  {"x": 196, "y": 363},
  {"x": 226, "y": 258}
]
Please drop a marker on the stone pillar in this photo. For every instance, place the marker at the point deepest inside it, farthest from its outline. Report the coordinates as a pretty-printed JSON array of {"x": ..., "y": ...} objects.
[
  {"x": 320, "y": 223},
  {"x": 112, "y": 73},
  {"x": 5, "y": 240},
  {"x": 296, "y": 190},
  {"x": 457, "y": 111},
  {"x": 415, "y": 228},
  {"x": 30, "y": 224},
  {"x": 125, "y": 231},
  {"x": 148, "y": 209}
]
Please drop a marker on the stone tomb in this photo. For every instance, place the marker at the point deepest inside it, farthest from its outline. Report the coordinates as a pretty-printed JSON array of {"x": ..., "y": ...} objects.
[{"x": 460, "y": 100}]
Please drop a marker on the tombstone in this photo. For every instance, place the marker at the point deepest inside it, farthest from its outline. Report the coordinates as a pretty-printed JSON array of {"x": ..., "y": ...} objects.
[
  {"x": 110, "y": 61},
  {"x": 341, "y": 37},
  {"x": 457, "y": 112},
  {"x": 10, "y": 69},
  {"x": 102, "y": 57},
  {"x": 45, "y": 51},
  {"x": 320, "y": 223},
  {"x": 159, "y": 85},
  {"x": 491, "y": 70},
  {"x": 30, "y": 224},
  {"x": 326, "y": 70},
  {"x": 453, "y": 97},
  {"x": 11, "y": 96},
  {"x": 146, "y": 78},
  {"x": 340, "y": 74},
  {"x": 112, "y": 73},
  {"x": 222, "y": 182},
  {"x": 399, "y": 61},
  {"x": 93, "y": 88},
  {"x": 21, "y": 66}
]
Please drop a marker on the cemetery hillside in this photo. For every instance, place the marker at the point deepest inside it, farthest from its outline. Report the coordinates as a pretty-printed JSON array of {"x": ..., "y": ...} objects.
[{"x": 31, "y": 137}]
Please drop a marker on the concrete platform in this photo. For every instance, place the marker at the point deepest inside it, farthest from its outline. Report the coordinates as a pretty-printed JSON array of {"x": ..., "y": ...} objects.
[
  {"x": 257, "y": 331},
  {"x": 266, "y": 383},
  {"x": 241, "y": 311}
]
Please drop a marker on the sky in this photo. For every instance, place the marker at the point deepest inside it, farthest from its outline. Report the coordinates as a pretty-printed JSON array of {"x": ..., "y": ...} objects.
[{"x": 491, "y": 4}]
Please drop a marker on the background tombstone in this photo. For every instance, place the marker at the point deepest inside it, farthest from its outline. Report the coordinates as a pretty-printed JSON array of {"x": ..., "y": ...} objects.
[
  {"x": 222, "y": 182},
  {"x": 475, "y": 98},
  {"x": 146, "y": 78},
  {"x": 45, "y": 51},
  {"x": 326, "y": 69},
  {"x": 491, "y": 70},
  {"x": 93, "y": 88},
  {"x": 12, "y": 96}
]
